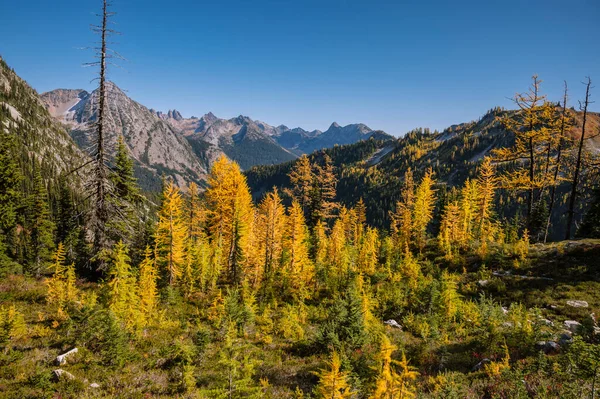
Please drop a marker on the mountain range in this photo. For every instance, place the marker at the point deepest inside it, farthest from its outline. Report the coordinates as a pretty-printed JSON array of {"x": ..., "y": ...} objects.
[{"x": 185, "y": 148}]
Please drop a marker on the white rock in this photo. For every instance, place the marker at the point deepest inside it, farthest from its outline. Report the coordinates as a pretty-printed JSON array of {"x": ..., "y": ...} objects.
[
  {"x": 546, "y": 322},
  {"x": 483, "y": 283},
  {"x": 94, "y": 385},
  {"x": 572, "y": 325},
  {"x": 60, "y": 373},
  {"x": 62, "y": 359},
  {"x": 578, "y": 304},
  {"x": 504, "y": 310},
  {"x": 393, "y": 323}
]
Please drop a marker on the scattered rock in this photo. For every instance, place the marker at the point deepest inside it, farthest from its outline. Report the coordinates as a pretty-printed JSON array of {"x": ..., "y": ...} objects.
[
  {"x": 551, "y": 347},
  {"x": 393, "y": 323},
  {"x": 481, "y": 364},
  {"x": 565, "y": 340},
  {"x": 548, "y": 347},
  {"x": 577, "y": 304},
  {"x": 553, "y": 307},
  {"x": 504, "y": 310},
  {"x": 546, "y": 322},
  {"x": 483, "y": 283},
  {"x": 572, "y": 325},
  {"x": 60, "y": 373},
  {"x": 94, "y": 385},
  {"x": 62, "y": 359}
]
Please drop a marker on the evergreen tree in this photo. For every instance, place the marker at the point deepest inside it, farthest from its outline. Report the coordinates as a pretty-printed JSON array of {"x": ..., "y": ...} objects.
[
  {"x": 40, "y": 227},
  {"x": 10, "y": 198},
  {"x": 122, "y": 176}
]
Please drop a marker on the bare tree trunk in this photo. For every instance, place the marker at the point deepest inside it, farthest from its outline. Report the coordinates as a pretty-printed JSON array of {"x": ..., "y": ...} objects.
[
  {"x": 558, "y": 159},
  {"x": 573, "y": 197},
  {"x": 100, "y": 172}
]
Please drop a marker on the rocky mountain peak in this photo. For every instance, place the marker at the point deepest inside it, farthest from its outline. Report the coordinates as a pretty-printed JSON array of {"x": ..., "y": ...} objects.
[
  {"x": 334, "y": 125},
  {"x": 174, "y": 114}
]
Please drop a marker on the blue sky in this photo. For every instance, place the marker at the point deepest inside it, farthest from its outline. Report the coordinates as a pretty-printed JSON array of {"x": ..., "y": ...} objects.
[{"x": 393, "y": 65}]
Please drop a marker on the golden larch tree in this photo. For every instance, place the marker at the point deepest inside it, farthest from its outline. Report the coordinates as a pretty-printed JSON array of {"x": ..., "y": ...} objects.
[
  {"x": 229, "y": 214},
  {"x": 271, "y": 222},
  {"x": 334, "y": 383},
  {"x": 171, "y": 234},
  {"x": 298, "y": 268},
  {"x": 147, "y": 287},
  {"x": 423, "y": 209}
]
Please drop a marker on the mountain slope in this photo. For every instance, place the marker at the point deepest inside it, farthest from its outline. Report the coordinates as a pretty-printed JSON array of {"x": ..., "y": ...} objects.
[
  {"x": 376, "y": 174},
  {"x": 39, "y": 136},
  {"x": 154, "y": 145}
]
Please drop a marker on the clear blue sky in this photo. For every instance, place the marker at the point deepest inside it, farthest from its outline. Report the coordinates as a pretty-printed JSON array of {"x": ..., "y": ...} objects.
[{"x": 393, "y": 65}]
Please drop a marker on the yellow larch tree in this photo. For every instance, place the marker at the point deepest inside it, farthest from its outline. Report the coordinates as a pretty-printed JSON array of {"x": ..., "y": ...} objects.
[
  {"x": 368, "y": 251},
  {"x": 449, "y": 237},
  {"x": 469, "y": 198},
  {"x": 423, "y": 209},
  {"x": 147, "y": 287},
  {"x": 334, "y": 383},
  {"x": 61, "y": 286},
  {"x": 487, "y": 183},
  {"x": 122, "y": 286},
  {"x": 337, "y": 255},
  {"x": 301, "y": 178},
  {"x": 391, "y": 384},
  {"x": 533, "y": 125},
  {"x": 402, "y": 219},
  {"x": 171, "y": 234},
  {"x": 271, "y": 222},
  {"x": 229, "y": 215},
  {"x": 323, "y": 204},
  {"x": 361, "y": 219},
  {"x": 298, "y": 269}
]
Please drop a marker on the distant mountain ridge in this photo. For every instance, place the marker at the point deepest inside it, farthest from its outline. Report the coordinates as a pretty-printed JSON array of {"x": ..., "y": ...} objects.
[{"x": 185, "y": 148}]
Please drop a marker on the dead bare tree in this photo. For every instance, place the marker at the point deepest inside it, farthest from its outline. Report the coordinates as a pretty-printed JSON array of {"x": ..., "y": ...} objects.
[
  {"x": 100, "y": 186},
  {"x": 573, "y": 196},
  {"x": 559, "y": 147}
]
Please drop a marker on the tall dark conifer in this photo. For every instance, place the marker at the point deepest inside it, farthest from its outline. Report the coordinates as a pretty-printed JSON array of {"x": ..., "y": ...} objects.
[{"x": 40, "y": 226}]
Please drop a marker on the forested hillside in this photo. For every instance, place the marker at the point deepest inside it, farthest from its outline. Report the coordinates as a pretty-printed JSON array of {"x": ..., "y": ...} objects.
[{"x": 374, "y": 170}]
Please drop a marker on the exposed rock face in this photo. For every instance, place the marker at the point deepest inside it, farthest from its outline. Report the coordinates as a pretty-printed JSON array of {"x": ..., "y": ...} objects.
[{"x": 155, "y": 146}]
